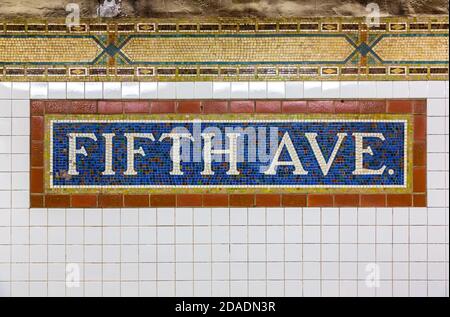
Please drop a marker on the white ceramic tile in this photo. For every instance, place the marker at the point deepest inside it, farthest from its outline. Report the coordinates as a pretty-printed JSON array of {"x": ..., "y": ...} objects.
[
  {"x": 20, "y": 181},
  {"x": 5, "y": 163},
  {"x": 276, "y": 90},
  {"x": 20, "y": 108},
  {"x": 166, "y": 90},
  {"x": 5, "y": 108},
  {"x": 384, "y": 89},
  {"x": 75, "y": 90},
  {"x": 93, "y": 90},
  {"x": 148, "y": 90},
  {"x": 436, "y": 143},
  {"x": 20, "y": 90},
  {"x": 20, "y": 145},
  {"x": 436, "y": 125},
  {"x": 367, "y": 89},
  {"x": 438, "y": 198},
  {"x": 437, "y": 107},
  {"x": 239, "y": 90},
  {"x": 20, "y": 162},
  {"x": 5, "y": 126},
  {"x": 130, "y": 90},
  {"x": 5, "y": 144},
  {"x": 313, "y": 89},
  {"x": 349, "y": 89},
  {"x": 294, "y": 89},
  {"x": 330, "y": 89},
  {"x": 39, "y": 90},
  {"x": 258, "y": 90},
  {"x": 57, "y": 90},
  {"x": 221, "y": 90},
  {"x": 437, "y": 89},
  {"x": 400, "y": 89},
  {"x": 203, "y": 90},
  {"x": 418, "y": 89},
  {"x": 5, "y": 200},
  {"x": 112, "y": 90},
  {"x": 185, "y": 90},
  {"x": 5, "y": 90},
  {"x": 20, "y": 126}
]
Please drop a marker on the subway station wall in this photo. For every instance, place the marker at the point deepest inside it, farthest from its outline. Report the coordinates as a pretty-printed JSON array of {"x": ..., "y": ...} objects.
[{"x": 283, "y": 247}]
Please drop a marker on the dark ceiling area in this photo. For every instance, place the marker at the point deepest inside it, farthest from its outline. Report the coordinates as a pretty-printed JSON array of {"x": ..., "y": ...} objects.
[{"x": 223, "y": 8}]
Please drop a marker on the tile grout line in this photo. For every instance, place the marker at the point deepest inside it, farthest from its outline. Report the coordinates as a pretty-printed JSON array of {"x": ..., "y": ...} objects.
[
  {"x": 409, "y": 253},
  {"x": 266, "y": 251},
  {"x": 175, "y": 251},
  {"x": 193, "y": 251},
  {"x": 284, "y": 251},
  {"x": 248, "y": 253},
  {"x": 375, "y": 249},
  {"x": 339, "y": 249},
  {"x": 303, "y": 252},
  {"x": 229, "y": 252},
  {"x": 357, "y": 255},
  {"x": 11, "y": 202},
  {"x": 138, "y": 251},
  {"x": 392, "y": 252}
]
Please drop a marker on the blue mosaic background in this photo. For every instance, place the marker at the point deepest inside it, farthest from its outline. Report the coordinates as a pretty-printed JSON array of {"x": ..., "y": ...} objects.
[{"x": 155, "y": 167}]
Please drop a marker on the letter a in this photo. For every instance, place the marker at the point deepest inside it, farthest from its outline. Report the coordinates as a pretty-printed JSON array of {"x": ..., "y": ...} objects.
[{"x": 286, "y": 142}]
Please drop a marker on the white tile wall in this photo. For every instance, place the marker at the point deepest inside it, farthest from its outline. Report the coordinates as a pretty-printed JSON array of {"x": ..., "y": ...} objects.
[{"x": 223, "y": 251}]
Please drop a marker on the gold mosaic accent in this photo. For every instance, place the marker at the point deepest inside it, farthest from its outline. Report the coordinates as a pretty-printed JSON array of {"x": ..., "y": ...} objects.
[
  {"x": 413, "y": 49},
  {"x": 237, "y": 49},
  {"x": 35, "y": 50},
  {"x": 225, "y": 49}
]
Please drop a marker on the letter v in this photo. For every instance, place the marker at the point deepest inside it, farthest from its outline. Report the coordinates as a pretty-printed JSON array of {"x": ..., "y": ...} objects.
[{"x": 324, "y": 165}]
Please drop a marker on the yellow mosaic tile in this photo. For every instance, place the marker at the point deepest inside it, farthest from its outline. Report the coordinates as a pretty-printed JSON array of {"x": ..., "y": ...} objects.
[
  {"x": 236, "y": 50},
  {"x": 48, "y": 50},
  {"x": 420, "y": 49}
]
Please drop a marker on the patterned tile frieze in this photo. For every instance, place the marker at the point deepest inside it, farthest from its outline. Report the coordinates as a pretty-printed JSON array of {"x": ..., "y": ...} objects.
[
  {"x": 225, "y": 49},
  {"x": 287, "y": 153}
]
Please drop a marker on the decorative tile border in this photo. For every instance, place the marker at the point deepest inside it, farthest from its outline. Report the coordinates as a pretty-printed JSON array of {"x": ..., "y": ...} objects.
[
  {"x": 225, "y": 50},
  {"x": 40, "y": 197}
]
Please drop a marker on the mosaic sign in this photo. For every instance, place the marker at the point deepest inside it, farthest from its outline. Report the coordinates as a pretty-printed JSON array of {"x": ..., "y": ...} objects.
[
  {"x": 128, "y": 154},
  {"x": 364, "y": 152},
  {"x": 225, "y": 49}
]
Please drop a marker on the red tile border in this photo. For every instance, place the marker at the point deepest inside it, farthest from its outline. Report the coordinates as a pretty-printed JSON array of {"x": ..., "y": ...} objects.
[
  {"x": 268, "y": 106},
  {"x": 376, "y": 200},
  {"x": 242, "y": 200},
  {"x": 189, "y": 200},
  {"x": 244, "y": 106},
  {"x": 215, "y": 106},
  {"x": 163, "y": 200},
  {"x": 136, "y": 201},
  {"x": 300, "y": 106},
  {"x": 267, "y": 200},
  {"x": 110, "y": 201},
  {"x": 162, "y": 107},
  {"x": 84, "y": 201},
  {"x": 216, "y": 200},
  {"x": 138, "y": 107},
  {"x": 189, "y": 107},
  {"x": 294, "y": 200},
  {"x": 39, "y": 199}
]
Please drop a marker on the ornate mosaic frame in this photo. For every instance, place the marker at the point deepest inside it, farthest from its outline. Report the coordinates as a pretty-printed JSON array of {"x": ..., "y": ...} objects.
[
  {"x": 44, "y": 111},
  {"x": 225, "y": 49}
]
